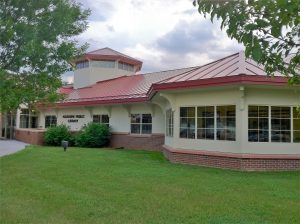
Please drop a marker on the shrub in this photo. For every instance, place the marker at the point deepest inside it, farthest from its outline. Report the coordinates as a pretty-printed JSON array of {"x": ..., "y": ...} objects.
[
  {"x": 93, "y": 135},
  {"x": 54, "y": 135}
]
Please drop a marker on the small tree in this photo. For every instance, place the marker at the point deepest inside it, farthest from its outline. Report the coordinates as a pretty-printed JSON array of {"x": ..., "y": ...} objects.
[{"x": 269, "y": 30}]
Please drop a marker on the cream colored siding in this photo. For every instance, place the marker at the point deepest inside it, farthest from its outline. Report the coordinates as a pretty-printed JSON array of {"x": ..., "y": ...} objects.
[
  {"x": 88, "y": 76},
  {"x": 234, "y": 96},
  {"x": 119, "y": 116}
]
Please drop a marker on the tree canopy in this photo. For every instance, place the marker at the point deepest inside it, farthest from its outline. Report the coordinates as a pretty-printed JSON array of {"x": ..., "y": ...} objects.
[
  {"x": 37, "y": 43},
  {"x": 269, "y": 30}
]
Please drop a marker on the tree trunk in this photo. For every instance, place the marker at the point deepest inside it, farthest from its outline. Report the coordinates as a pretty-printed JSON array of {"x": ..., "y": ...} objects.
[
  {"x": 5, "y": 125},
  {"x": 11, "y": 125}
]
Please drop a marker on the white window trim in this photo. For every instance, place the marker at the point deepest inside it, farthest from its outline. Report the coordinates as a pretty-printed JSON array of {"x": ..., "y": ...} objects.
[
  {"x": 215, "y": 121},
  {"x": 270, "y": 125},
  {"x": 141, "y": 123}
]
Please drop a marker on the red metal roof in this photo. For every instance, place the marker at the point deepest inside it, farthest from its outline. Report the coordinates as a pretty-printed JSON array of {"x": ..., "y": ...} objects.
[
  {"x": 139, "y": 88},
  {"x": 65, "y": 89},
  {"x": 232, "y": 65},
  {"x": 132, "y": 88}
]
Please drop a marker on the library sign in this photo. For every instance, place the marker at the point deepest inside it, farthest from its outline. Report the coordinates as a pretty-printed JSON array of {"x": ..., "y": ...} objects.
[{"x": 73, "y": 118}]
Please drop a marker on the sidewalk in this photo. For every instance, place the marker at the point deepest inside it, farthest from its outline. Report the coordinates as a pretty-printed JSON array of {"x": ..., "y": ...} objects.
[{"x": 10, "y": 146}]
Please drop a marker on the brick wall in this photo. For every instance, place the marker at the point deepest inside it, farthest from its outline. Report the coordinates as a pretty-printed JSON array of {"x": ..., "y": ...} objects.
[
  {"x": 147, "y": 142},
  {"x": 31, "y": 136},
  {"x": 236, "y": 162}
]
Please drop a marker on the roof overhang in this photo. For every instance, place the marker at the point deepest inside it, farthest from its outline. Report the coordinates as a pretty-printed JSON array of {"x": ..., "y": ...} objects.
[{"x": 229, "y": 80}]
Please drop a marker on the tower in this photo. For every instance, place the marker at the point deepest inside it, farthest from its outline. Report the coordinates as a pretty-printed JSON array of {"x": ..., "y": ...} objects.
[{"x": 101, "y": 65}]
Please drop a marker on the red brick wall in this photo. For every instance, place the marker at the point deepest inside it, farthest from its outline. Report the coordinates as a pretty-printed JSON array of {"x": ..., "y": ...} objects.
[
  {"x": 230, "y": 162},
  {"x": 31, "y": 136},
  {"x": 147, "y": 142}
]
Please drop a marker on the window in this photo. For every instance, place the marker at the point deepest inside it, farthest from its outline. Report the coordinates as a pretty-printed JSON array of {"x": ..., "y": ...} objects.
[
  {"x": 28, "y": 119},
  {"x": 207, "y": 117},
  {"x": 296, "y": 128},
  {"x": 125, "y": 66},
  {"x": 187, "y": 122},
  {"x": 24, "y": 118},
  {"x": 258, "y": 123},
  {"x": 169, "y": 123},
  {"x": 103, "y": 64},
  {"x": 226, "y": 123},
  {"x": 50, "y": 120},
  {"x": 205, "y": 122},
  {"x": 82, "y": 64},
  {"x": 101, "y": 118},
  {"x": 141, "y": 123},
  {"x": 280, "y": 124}
]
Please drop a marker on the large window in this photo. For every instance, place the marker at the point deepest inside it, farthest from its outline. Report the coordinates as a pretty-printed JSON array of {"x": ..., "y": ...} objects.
[
  {"x": 273, "y": 123},
  {"x": 280, "y": 124},
  {"x": 50, "y": 121},
  {"x": 187, "y": 122},
  {"x": 28, "y": 119},
  {"x": 296, "y": 125},
  {"x": 141, "y": 123},
  {"x": 205, "y": 122},
  {"x": 101, "y": 118},
  {"x": 226, "y": 123},
  {"x": 103, "y": 64},
  {"x": 213, "y": 122},
  {"x": 82, "y": 64},
  {"x": 258, "y": 124},
  {"x": 169, "y": 123},
  {"x": 125, "y": 66}
]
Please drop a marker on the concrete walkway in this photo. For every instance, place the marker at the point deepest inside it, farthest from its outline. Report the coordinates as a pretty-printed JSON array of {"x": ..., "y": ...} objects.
[{"x": 11, "y": 146}]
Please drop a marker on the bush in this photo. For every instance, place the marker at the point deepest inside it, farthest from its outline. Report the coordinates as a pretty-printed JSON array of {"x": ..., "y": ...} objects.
[
  {"x": 54, "y": 135},
  {"x": 93, "y": 135}
]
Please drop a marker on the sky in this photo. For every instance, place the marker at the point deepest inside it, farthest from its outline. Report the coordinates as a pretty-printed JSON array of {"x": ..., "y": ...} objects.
[{"x": 164, "y": 34}]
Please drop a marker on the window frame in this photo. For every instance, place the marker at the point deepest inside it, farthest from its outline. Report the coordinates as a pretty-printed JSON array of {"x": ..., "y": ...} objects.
[
  {"x": 103, "y": 63},
  {"x": 125, "y": 66},
  {"x": 291, "y": 124},
  {"x": 170, "y": 123},
  {"x": 83, "y": 64},
  {"x": 141, "y": 123},
  {"x": 28, "y": 118},
  {"x": 101, "y": 119},
  {"x": 51, "y": 123},
  {"x": 258, "y": 117},
  {"x": 215, "y": 122}
]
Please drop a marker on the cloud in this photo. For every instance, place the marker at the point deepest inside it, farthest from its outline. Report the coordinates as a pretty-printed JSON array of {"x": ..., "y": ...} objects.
[
  {"x": 163, "y": 34},
  {"x": 190, "y": 43},
  {"x": 101, "y": 10}
]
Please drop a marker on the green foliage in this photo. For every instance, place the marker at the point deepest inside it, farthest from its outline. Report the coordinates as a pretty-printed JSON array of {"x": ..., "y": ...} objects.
[
  {"x": 93, "y": 135},
  {"x": 54, "y": 135},
  {"x": 269, "y": 30},
  {"x": 36, "y": 46}
]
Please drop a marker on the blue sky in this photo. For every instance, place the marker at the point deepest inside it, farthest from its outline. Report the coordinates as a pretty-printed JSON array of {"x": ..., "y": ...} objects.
[{"x": 164, "y": 34}]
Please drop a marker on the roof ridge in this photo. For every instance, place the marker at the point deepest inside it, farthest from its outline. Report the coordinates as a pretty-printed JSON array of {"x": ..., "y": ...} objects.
[{"x": 242, "y": 68}]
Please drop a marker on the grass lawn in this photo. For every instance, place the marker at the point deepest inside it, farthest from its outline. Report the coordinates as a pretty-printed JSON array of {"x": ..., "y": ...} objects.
[{"x": 47, "y": 185}]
